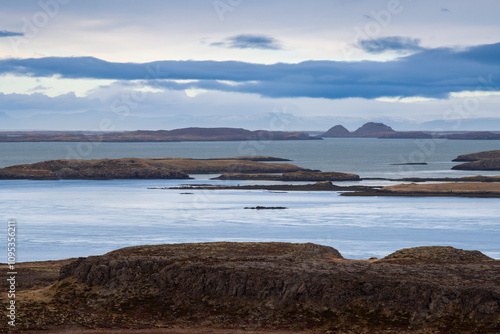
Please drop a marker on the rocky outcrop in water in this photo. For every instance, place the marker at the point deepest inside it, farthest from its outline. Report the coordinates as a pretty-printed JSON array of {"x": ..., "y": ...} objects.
[
  {"x": 138, "y": 168},
  {"x": 92, "y": 169},
  {"x": 486, "y": 160},
  {"x": 319, "y": 176},
  {"x": 483, "y": 164},
  {"x": 478, "y": 156},
  {"x": 292, "y": 176}
]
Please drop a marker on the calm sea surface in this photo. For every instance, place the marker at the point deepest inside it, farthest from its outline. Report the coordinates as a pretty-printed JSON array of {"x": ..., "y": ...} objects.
[{"x": 61, "y": 219}]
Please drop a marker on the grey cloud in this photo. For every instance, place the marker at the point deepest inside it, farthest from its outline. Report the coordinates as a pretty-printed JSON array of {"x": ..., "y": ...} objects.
[
  {"x": 392, "y": 43},
  {"x": 430, "y": 73},
  {"x": 247, "y": 41},
  {"x": 5, "y": 33}
]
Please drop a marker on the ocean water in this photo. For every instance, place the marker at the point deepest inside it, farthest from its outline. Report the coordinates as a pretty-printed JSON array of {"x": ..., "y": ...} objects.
[{"x": 71, "y": 218}]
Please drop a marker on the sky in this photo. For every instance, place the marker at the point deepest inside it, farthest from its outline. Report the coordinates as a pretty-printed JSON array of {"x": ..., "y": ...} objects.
[{"x": 161, "y": 64}]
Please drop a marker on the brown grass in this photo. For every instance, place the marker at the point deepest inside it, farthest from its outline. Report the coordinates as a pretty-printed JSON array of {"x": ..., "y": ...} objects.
[{"x": 454, "y": 187}]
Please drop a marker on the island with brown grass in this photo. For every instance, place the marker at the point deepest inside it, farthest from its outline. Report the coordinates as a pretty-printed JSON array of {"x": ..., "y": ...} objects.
[
  {"x": 266, "y": 287},
  {"x": 454, "y": 189},
  {"x": 141, "y": 168}
]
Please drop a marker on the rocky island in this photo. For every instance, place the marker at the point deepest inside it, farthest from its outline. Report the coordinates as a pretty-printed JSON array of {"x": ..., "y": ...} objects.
[
  {"x": 140, "y": 168},
  {"x": 264, "y": 287}
]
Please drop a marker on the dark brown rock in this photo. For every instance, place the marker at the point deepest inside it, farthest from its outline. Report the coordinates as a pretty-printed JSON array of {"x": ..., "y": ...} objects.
[
  {"x": 272, "y": 285},
  {"x": 284, "y": 284},
  {"x": 436, "y": 254},
  {"x": 92, "y": 169}
]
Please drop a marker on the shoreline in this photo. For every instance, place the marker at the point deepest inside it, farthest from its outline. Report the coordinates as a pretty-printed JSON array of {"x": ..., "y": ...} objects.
[{"x": 453, "y": 189}]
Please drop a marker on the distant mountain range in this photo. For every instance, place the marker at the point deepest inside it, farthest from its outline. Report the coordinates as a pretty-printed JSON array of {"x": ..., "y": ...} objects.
[
  {"x": 91, "y": 121},
  {"x": 380, "y": 130},
  {"x": 186, "y": 134},
  {"x": 368, "y": 130}
]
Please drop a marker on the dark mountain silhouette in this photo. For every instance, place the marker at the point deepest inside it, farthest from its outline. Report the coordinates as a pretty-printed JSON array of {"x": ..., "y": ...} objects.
[
  {"x": 337, "y": 131},
  {"x": 369, "y": 129},
  {"x": 372, "y": 129}
]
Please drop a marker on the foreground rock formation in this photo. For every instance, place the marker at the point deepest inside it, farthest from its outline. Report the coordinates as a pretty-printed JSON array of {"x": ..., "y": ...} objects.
[
  {"x": 137, "y": 168},
  {"x": 272, "y": 285}
]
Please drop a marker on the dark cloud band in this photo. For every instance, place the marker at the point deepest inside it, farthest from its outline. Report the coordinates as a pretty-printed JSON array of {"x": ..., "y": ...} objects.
[
  {"x": 430, "y": 73},
  {"x": 392, "y": 43},
  {"x": 250, "y": 42},
  {"x": 5, "y": 33}
]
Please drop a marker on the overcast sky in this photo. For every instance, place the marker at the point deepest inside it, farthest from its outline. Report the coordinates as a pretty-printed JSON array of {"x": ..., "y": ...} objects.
[{"x": 239, "y": 62}]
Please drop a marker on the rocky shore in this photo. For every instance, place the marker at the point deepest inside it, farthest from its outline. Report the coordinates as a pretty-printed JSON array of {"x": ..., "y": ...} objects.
[
  {"x": 264, "y": 286},
  {"x": 317, "y": 186}
]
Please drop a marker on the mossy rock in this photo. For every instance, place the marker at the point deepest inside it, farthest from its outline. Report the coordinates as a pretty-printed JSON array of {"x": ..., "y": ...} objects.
[
  {"x": 436, "y": 254},
  {"x": 232, "y": 250}
]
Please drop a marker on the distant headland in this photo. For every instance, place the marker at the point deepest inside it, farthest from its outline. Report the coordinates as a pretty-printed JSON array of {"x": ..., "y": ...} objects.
[
  {"x": 368, "y": 130},
  {"x": 176, "y": 135},
  {"x": 380, "y": 130}
]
